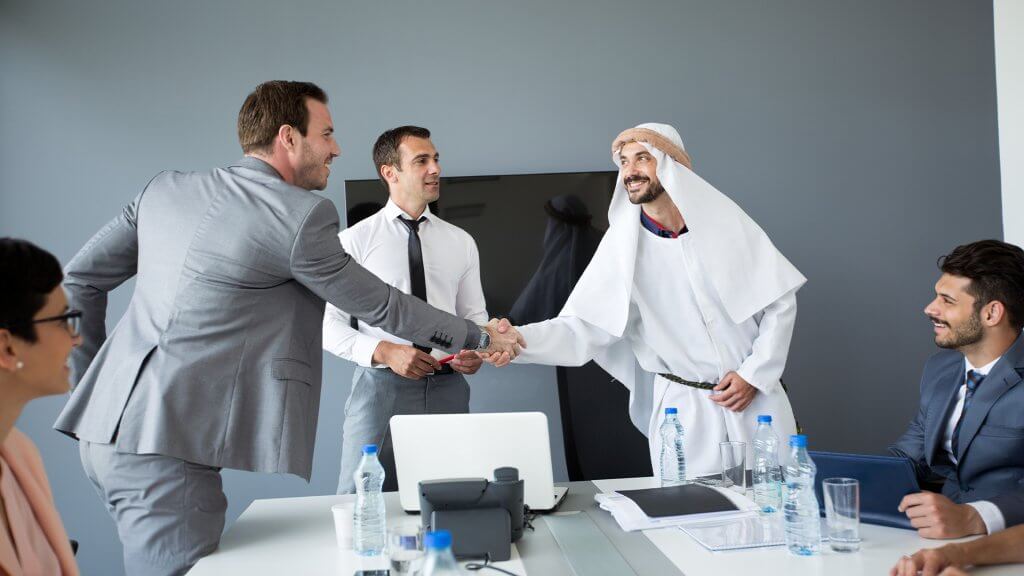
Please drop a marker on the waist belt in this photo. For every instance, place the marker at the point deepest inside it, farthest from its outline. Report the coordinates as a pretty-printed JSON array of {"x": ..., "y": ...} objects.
[{"x": 685, "y": 382}]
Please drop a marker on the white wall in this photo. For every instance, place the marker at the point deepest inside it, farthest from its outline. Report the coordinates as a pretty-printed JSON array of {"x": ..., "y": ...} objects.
[{"x": 1009, "y": 40}]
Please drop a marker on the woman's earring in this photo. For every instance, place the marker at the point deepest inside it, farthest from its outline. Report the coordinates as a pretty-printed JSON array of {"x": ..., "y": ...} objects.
[{"x": 19, "y": 365}]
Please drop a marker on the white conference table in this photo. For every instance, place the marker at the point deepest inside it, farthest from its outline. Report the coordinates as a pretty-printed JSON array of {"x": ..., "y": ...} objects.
[{"x": 296, "y": 536}]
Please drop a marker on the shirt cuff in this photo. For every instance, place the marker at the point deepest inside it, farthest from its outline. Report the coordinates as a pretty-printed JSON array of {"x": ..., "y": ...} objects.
[
  {"x": 990, "y": 515},
  {"x": 363, "y": 349},
  {"x": 748, "y": 374}
]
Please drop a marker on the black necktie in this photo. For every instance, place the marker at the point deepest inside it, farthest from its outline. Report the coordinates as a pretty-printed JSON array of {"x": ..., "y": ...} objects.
[
  {"x": 417, "y": 278},
  {"x": 973, "y": 380}
]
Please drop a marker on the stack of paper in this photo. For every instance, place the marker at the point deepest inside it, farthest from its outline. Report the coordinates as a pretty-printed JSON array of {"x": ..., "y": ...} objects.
[{"x": 630, "y": 516}]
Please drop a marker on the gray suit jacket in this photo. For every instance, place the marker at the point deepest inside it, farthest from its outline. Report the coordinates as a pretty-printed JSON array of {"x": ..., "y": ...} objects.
[
  {"x": 218, "y": 358},
  {"x": 990, "y": 462}
]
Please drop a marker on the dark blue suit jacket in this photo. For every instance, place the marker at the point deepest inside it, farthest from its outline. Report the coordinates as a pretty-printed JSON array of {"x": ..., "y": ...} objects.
[{"x": 990, "y": 461}]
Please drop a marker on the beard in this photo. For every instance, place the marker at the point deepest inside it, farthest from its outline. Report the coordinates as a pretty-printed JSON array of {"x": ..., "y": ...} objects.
[
  {"x": 309, "y": 174},
  {"x": 654, "y": 190},
  {"x": 962, "y": 335}
]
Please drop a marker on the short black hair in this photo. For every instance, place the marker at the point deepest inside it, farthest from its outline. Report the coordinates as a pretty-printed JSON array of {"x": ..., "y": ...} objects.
[
  {"x": 385, "y": 149},
  {"x": 27, "y": 276},
  {"x": 996, "y": 272}
]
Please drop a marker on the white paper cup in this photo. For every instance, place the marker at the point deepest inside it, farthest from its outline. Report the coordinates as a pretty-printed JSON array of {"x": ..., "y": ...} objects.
[{"x": 343, "y": 524}]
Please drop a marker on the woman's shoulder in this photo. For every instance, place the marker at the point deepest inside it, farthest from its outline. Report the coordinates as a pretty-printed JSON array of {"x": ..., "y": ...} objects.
[{"x": 20, "y": 452}]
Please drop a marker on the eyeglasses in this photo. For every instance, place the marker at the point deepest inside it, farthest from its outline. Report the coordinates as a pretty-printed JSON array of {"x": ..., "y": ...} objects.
[{"x": 72, "y": 321}]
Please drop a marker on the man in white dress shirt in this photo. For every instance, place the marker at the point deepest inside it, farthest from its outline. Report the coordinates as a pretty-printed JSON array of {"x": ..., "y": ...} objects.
[
  {"x": 686, "y": 302},
  {"x": 415, "y": 251}
]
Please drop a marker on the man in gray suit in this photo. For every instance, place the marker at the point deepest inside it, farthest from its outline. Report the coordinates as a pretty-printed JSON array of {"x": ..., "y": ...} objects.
[
  {"x": 969, "y": 431},
  {"x": 217, "y": 361}
]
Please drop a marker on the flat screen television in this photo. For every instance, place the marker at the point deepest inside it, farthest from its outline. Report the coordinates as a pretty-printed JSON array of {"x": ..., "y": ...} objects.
[{"x": 507, "y": 217}]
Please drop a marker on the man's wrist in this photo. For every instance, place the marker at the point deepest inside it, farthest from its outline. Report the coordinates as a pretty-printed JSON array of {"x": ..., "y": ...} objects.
[
  {"x": 485, "y": 341},
  {"x": 380, "y": 352},
  {"x": 958, "y": 554}
]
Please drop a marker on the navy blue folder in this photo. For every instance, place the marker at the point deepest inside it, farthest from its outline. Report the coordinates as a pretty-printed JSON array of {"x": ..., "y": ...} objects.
[{"x": 884, "y": 481}]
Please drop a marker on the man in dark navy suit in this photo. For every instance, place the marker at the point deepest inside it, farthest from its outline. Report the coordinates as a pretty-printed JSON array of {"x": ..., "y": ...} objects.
[{"x": 969, "y": 430}]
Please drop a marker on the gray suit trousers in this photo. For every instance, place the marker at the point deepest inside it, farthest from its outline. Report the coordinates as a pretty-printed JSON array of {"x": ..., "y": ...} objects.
[
  {"x": 169, "y": 512},
  {"x": 377, "y": 395}
]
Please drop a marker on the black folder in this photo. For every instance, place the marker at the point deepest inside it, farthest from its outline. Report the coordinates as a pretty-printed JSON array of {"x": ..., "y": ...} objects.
[{"x": 679, "y": 500}]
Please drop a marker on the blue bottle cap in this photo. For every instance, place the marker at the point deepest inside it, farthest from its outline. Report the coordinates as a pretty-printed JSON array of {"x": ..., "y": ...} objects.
[
  {"x": 798, "y": 440},
  {"x": 764, "y": 418},
  {"x": 438, "y": 540},
  {"x": 370, "y": 449},
  {"x": 671, "y": 411}
]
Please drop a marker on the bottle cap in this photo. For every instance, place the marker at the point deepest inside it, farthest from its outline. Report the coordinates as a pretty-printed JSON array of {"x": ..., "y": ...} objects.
[
  {"x": 671, "y": 411},
  {"x": 370, "y": 449},
  {"x": 438, "y": 540},
  {"x": 764, "y": 418},
  {"x": 798, "y": 440}
]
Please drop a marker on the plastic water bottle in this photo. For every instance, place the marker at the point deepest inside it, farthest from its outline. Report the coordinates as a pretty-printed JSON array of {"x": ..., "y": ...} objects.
[
  {"x": 673, "y": 458},
  {"x": 767, "y": 474},
  {"x": 440, "y": 560},
  {"x": 368, "y": 531},
  {"x": 801, "y": 518}
]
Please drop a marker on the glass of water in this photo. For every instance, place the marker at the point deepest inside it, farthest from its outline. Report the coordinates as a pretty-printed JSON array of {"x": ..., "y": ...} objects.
[
  {"x": 842, "y": 512},
  {"x": 405, "y": 547}
]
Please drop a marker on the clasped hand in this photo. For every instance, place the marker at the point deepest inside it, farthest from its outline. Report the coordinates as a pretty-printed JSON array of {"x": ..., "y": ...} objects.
[{"x": 506, "y": 343}]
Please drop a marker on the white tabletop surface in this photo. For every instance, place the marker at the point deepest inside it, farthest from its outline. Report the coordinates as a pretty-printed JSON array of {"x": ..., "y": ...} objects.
[{"x": 296, "y": 536}]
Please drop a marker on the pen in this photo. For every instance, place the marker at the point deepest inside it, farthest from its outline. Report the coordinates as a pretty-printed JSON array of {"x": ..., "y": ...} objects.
[{"x": 446, "y": 359}]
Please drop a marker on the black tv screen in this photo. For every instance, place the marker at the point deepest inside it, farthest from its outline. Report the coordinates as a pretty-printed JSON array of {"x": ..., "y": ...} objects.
[{"x": 509, "y": 217}]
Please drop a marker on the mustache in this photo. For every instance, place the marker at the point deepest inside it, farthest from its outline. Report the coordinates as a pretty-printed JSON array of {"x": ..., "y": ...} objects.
[{"x": 630, "y": 179}]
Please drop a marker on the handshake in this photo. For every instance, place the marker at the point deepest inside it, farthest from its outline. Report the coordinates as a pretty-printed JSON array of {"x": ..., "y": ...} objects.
[
  {"x": 409, "y": 362},
  {"x": 506, "y": 343}
]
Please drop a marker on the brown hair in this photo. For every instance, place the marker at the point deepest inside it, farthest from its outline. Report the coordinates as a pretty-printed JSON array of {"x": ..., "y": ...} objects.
[
  {"x": 271, "y": 105},
  {"x": 385, "y": 150},
  {"x": 996, "y": 271}
]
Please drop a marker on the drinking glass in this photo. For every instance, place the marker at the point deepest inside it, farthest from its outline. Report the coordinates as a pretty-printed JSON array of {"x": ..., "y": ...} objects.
[
  {"x": 842, "y": 513},
  {"x": 405, "y": 547},
  {"x": 734, "y": 465}
]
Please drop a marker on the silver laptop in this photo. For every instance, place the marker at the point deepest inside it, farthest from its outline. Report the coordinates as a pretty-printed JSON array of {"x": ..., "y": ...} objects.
[{"x": 439, "y": 446}]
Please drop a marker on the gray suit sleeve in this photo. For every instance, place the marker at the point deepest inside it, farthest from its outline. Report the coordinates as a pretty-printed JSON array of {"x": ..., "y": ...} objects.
[
  {"x": 319, "y": 263},
  {"x": 108, "y": 259}
]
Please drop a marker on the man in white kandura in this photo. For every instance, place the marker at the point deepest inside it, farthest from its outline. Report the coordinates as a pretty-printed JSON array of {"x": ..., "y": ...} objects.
[
  {"x": 410, "y": 248},
  {"x": 686, "y": 302}
]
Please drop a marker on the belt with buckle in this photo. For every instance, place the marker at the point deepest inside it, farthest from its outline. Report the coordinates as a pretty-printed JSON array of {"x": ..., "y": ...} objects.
[{"x": 685, "y": 382}]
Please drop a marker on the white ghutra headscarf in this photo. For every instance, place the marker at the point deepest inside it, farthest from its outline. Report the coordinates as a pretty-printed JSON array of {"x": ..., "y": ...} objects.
[{"x": 744, "y": 267}]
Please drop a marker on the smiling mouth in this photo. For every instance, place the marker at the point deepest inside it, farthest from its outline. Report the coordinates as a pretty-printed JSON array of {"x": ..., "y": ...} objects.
[{"x": 634, "y": 184}]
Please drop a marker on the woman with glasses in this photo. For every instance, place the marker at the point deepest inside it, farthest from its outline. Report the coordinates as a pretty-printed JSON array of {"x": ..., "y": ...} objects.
[{"x": 37, "y": 333}]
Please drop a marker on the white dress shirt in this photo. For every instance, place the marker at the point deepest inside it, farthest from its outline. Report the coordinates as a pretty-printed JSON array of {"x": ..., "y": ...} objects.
[
  {"x": 989, "y": 512},
  {"x": 451, "y": 266}
]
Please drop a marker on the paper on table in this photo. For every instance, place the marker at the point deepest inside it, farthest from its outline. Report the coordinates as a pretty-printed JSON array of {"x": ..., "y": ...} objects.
[
  {"x": 630, "y": 517},
  {"x": 756, "y": 531}
]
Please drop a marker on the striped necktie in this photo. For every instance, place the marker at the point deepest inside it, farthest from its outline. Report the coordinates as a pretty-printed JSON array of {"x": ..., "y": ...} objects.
[{"x": 973, "y": 381}]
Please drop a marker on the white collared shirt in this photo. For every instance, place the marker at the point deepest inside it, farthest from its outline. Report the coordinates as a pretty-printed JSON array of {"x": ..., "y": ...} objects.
[
  {"x": 989, "y": 512},
  {"x": 380, "y": 243}
]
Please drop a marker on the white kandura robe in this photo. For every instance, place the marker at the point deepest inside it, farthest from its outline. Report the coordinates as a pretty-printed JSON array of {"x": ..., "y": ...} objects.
[{"x": 678, "y": 324}]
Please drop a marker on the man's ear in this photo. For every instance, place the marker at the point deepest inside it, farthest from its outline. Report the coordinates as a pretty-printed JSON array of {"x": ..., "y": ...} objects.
[
  {"x": 286, "y": 136},
  {"x": 388, "y": 172},
  {"x": 993, "y": 313},
  {"x": 8, "y": 358}
]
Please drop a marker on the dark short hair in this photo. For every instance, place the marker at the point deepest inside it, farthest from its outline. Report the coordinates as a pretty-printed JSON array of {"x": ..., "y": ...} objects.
[
  {"x": 27, "y": 276},
  {"x": 385, "y": 149},
  {"x": 996, "y": 272},
  {"x": 272, "y": 105}
]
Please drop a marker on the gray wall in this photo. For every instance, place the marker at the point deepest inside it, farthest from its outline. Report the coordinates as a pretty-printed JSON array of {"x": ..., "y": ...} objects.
[{"x": 861, "y": 135}]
